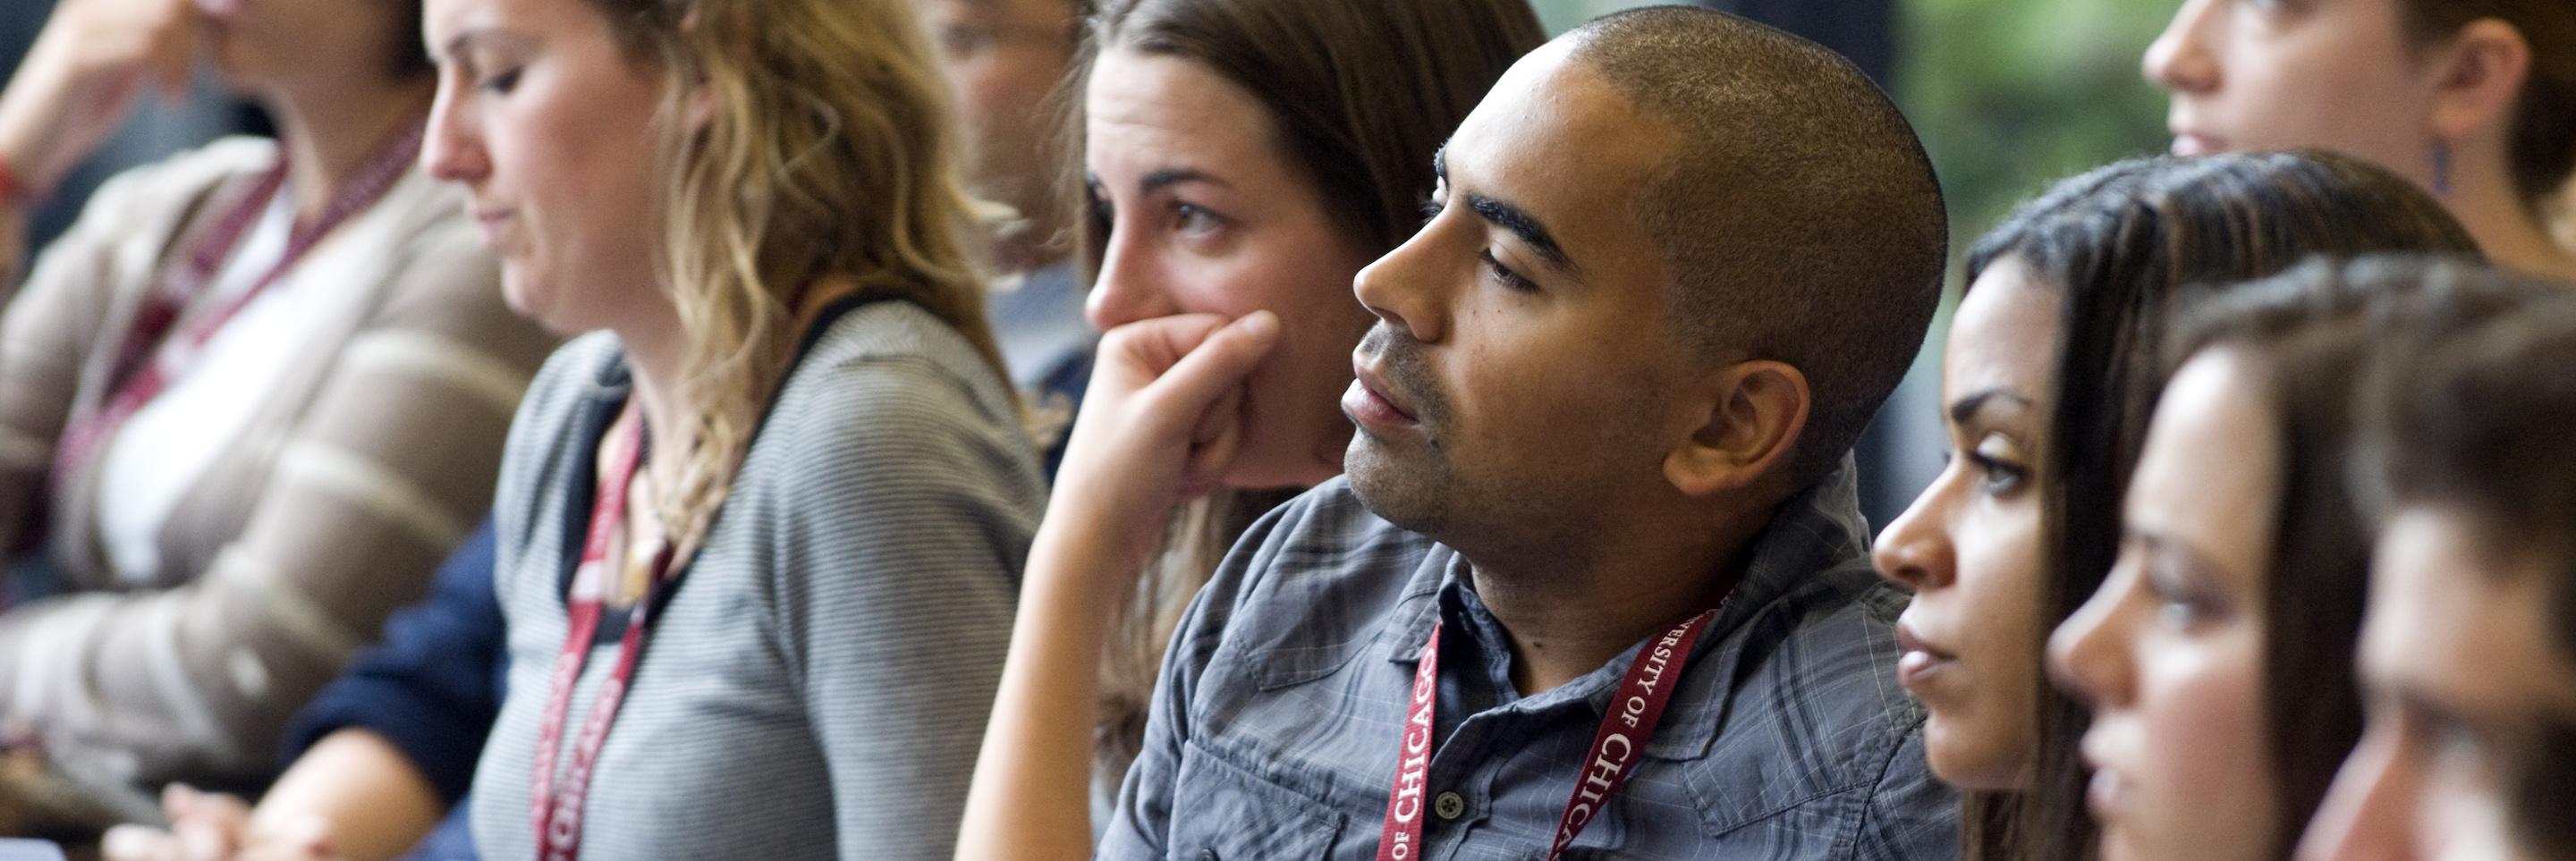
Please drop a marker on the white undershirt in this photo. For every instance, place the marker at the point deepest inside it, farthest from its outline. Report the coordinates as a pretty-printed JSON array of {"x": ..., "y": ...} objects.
[{"x": 165, "y": 447}]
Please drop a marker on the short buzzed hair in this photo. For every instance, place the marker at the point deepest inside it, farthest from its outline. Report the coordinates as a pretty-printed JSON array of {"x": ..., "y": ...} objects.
[{"x": 1799, "y": 215}]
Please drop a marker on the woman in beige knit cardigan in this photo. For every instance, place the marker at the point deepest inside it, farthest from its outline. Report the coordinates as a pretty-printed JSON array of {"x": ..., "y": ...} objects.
[{"x": 249, "y": 401}]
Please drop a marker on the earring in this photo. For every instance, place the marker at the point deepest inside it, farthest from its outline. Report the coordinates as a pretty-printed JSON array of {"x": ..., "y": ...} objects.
[{"x": 2441, "y": 169}]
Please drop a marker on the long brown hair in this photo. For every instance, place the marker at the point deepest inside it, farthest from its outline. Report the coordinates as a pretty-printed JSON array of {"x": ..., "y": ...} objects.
[
  {"x": 2469, "y": 416},
  {"x": 826, "y": 166},
  {"x": 2308, "y": 336},
  {"x": 2126, "y": 244},
  {"x": 1362, "y": 93}
]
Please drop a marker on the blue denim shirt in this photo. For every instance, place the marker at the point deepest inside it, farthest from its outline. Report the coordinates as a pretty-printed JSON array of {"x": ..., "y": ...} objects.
[{"x": 1275, "y": 724}]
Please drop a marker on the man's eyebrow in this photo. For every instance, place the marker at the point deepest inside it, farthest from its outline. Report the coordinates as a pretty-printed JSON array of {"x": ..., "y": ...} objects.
[
  {"x": 1440, "y": 163},
  {"x": 1525, "y": 226}
]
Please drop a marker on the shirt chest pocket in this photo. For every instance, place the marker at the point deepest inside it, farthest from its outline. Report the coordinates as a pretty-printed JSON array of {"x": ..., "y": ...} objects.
[{"x": 1226, "y": 812}]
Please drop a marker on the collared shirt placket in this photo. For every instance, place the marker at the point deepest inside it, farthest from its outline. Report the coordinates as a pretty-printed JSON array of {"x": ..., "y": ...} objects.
[{"x": 1469, "y": 759}]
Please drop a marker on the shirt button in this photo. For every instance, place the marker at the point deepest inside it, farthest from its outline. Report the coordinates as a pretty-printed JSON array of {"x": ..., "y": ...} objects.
[{"x": 1448, "y": 806}]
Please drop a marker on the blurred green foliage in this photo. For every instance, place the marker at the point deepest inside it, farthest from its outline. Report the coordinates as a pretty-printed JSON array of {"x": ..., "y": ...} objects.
[
  {"x": 1561, "y": 15},
  {"x": 2011, "y": 95}
]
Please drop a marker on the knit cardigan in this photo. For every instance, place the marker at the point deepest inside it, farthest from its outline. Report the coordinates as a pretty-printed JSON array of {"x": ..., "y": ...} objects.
[{"x": 356, "y": 474}]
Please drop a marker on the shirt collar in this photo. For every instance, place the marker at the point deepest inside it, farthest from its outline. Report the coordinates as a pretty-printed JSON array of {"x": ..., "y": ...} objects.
[{"x": 1816, "y": 530}]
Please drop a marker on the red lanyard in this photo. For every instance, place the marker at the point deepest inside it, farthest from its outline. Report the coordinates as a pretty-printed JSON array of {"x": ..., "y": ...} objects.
[
  {"x": 1634, "y": 713},
  {"x": 153, "y": 354},
  {"x": 558, "y": 804}
]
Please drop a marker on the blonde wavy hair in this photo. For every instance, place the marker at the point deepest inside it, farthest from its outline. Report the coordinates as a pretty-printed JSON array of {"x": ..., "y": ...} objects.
[{"x": 826, "y": 166}]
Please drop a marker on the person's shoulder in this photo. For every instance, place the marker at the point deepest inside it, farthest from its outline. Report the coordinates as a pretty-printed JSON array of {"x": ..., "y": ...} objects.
[
  {"x": 1831, "y": 641},
  {"x": 570, "y": 374},
  {"x": 420, "y": 230},
  {"x": 888, "y": 404},
  {"x": 1319, "y": 570},
  {"x": 893, "y": 347},
  {"x": 580, "y": 364},
  {"x": 1812, "y": 691},
  {"x": 1328, "y": 534},
  {"x": 160, "y": 191},
  {"x": 440, "y": 279},
  {"x": 217, "y": 160}
]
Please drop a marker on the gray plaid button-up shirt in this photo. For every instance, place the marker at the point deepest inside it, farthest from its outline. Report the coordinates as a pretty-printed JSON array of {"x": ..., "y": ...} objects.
[{"x": 1275, "y": 726}]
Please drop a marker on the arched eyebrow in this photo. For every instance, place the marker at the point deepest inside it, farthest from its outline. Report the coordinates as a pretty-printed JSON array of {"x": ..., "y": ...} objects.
[
  {"x": 1966, "y": 408},
  {"x": 1172, "y": 176},
  {"x": 476, "y": 37}
]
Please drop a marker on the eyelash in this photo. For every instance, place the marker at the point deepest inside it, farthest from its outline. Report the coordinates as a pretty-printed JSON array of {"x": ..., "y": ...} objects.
[
  {"x": 962, "y": 40},
  {"x": 2000, "y": 477},
  {"x": 1431, "y": 208},
  {"x": 1183, "y": 214},
  {"x": 1504, "y": 273},
  {"x": 2180, "y": 605},
  {"x": 501, "y": 83}
]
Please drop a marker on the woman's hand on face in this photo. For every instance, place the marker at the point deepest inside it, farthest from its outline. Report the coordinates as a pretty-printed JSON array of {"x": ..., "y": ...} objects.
[
  {"x": 215, "y": 827},
  {"x": 84, "y": 71},
  {"x": 1159, "y": 424}
]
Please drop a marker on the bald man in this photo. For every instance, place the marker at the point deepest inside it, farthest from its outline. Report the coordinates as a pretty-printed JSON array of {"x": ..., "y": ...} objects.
[{"x": 1594, "y": 583}]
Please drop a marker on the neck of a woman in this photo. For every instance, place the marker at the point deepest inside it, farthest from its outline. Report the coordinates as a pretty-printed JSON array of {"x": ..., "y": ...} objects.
[
  {"x": 2523, "y": 245},
  {"x": 2510, "y": 232},
  {"x": 329, "y": 131},
  {"x": 655, "y": 346}
]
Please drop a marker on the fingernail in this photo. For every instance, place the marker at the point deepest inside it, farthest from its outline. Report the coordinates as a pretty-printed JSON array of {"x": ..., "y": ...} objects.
[{"x": 1260, "y": 324}]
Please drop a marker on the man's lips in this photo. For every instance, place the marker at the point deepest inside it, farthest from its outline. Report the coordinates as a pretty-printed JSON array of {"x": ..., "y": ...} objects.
[{"x": 1367, "y": 399}]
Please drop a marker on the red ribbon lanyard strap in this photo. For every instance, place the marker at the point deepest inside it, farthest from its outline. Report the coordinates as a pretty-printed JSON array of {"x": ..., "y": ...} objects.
[
  {"x": 557, "y": 804},
  {"x": 1634, "y": 713},
  {"x": 1400, "y": 839},
  {"x": 154, "y": 352}
]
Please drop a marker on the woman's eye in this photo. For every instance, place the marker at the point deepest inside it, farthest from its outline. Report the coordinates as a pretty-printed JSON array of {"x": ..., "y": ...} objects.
[
  {"x": 2179, "y": 604},
  {"x": 2179, "y": 615},
  {"x": 2455, "y": 740},
  {"x": 1194, "y": 222},
  {"x": 1999, "y": 476},
  {"x": 960, "y": 41},
  {"x": 1431, "y": 207},
  {"x": 502, "y": 82}
]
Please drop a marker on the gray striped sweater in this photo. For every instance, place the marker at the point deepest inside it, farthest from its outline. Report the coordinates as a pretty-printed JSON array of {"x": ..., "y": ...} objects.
[{"x": 818, "y": 683}]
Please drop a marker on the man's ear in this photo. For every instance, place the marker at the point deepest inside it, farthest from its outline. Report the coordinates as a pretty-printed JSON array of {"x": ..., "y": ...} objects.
[
  {"x": 1758, "y": 412},
  {"x": 2481, "y": 73}
]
